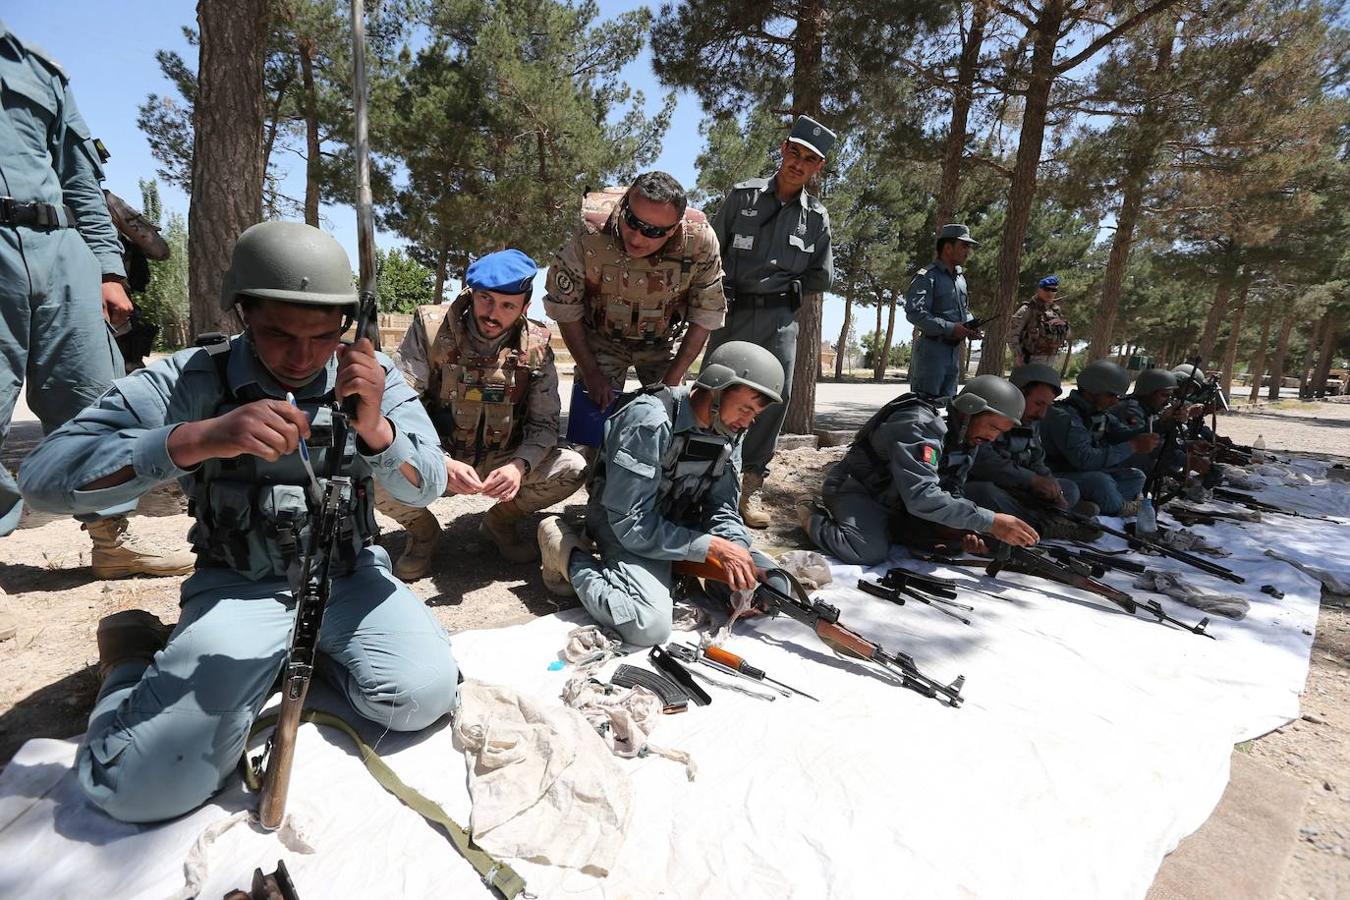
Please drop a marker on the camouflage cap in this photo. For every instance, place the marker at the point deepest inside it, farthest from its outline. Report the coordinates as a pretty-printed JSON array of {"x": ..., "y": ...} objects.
[
  {"x": 812, "y": 135},
  {"x": 959, "y": 232}
]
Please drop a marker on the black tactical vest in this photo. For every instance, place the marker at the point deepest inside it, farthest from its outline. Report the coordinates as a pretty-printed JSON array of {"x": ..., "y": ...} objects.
[{"x": 252, "y": 515}]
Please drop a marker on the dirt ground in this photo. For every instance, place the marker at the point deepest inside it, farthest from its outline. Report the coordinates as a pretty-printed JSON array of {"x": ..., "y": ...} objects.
[{"x": 48, "y": 673}]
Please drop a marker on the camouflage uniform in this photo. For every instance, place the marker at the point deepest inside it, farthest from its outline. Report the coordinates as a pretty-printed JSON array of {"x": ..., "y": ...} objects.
[
  {"x": 1038, "y": 332},
  {"x": 491, "y": 402},
  {"x": 635, "y": 309}
]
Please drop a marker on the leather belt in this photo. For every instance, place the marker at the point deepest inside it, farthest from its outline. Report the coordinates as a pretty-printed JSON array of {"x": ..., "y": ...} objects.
[{"x": 16, "y": 213}]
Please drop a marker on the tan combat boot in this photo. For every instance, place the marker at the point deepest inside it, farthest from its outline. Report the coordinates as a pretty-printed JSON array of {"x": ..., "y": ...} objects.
[
  {"x": 129, "y": 636},
  {"x": 424, "y": 533},
  {"x": 118, "y": 553},
  {"x": 557, "y": 539},
  {"x": 752, "y": 513},
  {"x": 499, "y": 526}
]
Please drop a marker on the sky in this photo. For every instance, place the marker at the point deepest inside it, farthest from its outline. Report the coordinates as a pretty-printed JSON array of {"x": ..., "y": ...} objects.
[{"x": 108, "y": 50}]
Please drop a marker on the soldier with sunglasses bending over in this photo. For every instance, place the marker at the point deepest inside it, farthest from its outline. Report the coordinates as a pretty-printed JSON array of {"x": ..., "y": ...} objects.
[{"x": 641, "y": 270}]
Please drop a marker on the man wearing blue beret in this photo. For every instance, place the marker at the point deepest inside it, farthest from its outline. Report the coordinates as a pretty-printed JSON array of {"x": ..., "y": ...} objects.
[
  {"x": 486, "y": 375},
  {"x": 1039, "y": 328}
]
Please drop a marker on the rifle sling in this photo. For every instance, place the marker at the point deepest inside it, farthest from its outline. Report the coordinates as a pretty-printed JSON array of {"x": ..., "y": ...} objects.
[{"x": 497, "y": 875}]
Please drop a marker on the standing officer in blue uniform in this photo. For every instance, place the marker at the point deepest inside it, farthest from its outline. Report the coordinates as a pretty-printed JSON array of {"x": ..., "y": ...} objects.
[
  {"x": 776, "y": 255},
  {"x": 57, "y": 243},
  {"x": 937, "y": 307},
  {"x": 174, "y": 711}
]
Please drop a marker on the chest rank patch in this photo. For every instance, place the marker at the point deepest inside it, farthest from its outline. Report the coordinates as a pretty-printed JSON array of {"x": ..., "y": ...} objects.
[{"x": 930, "y": 457}]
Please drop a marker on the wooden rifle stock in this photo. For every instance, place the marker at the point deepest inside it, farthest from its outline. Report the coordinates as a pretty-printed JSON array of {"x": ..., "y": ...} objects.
[{"x": 277, "y": 779}]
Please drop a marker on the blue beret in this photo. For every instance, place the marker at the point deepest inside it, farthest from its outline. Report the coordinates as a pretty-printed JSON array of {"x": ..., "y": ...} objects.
[
  {"x": 1049, "y": 281},
  {"x": 505, "y": 272}
]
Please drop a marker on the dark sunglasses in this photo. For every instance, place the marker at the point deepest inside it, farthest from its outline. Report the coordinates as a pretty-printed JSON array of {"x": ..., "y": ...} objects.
[
  {"x": 1053, "y": 290},
  {"x": 643, "y": 228}
]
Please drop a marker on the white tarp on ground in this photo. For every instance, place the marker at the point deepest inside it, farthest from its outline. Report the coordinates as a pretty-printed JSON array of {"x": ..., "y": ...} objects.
[{"x": 1090, "y": 743}]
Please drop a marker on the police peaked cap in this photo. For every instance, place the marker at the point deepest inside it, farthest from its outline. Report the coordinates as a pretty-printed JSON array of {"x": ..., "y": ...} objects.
[
  {"x": 503, "y": 272},
  {"x": 812, "y": 135},
  {"x": 957, "y": 232}
]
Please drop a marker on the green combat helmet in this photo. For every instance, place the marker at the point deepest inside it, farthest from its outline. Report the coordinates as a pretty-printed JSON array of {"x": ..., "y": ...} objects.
[
  {"x": 291, "y": 262},
  {"x": 989, "y": 393},
  {"x": 1104, "y": 377},
  {"x": 1028, "y": 374},
  {"x": 1153, "y": 380},
  {"x": 740, "y": 362},
  {"x": 1188, "y": 372}
]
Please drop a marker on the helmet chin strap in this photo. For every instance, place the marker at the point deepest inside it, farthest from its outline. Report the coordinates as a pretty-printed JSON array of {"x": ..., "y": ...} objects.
[
  {"x": 718, "y": 425},
  {"x": 284, "y": 382}
]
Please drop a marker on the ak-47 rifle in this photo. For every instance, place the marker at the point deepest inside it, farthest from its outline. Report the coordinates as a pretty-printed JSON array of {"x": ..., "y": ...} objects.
[
  {"x": 1100, "y": 562},
  {"x": 316, "y": 574},
  {"x": 1247, "y": 500},
  {"x": 1078, "y": 574},
  {"x": 823, "y": 619},
  {"x": 1169, "y": 437},
  {"x": 311, "y": 598},
  {"x": 1139, "y": 541}
]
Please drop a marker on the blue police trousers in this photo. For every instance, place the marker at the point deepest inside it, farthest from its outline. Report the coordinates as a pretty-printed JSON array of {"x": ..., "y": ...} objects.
[
  {"x": 775, "y": 328},
  {"x": 163, "y": 739},
  {"x": 933, "y": 367},
  {"x": 856, "y": 526},
  {"x": 1108, "y": 488},
  {"x": 53, "y": 335},
  {"x": 631, "y": 593}
]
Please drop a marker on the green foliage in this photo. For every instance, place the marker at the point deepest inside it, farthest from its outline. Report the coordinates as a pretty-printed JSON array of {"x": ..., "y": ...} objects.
[
  {"x": 404, "y": 283},
  {"x": 165, "y": 301},
  {"x": 898, "y": 357},
  {"x": 506, "y": 115}
]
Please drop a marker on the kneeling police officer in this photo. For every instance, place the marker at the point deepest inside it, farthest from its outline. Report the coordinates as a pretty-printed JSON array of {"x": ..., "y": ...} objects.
[
  {"x": 902, "y": 479},
  {"x": 666, "y": 488},
  {"x": 175, "y": 710}
]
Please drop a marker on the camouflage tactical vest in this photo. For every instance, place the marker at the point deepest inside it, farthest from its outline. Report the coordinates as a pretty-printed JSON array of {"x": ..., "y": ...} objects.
[
  {"x": 634, "y": 299},
  {"x": 480, "y": 402},
  {"x": 1045, "y": 331}
]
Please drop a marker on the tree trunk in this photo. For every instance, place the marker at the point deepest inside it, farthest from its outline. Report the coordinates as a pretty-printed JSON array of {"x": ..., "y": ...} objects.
[
  {"x": 1258, "y": 370},
  {"x": 312, "y": 161},
  {"x": 227, "y": 149},
  {"x": 807, "y": 53},
  {"x": 890, "y": 331},
  {"x": 1325, "y": 355},
  {"x": 1138, "y": 168},
  {"x": 801, "y": 417},
  {"x": 954, "y": 147},
  {"x": 878, "y": 361},
  {"x": 1234, "y": 334},
  {"x": 1222, "y": 291},
  {"x": 842, "y": 347},
  {"x": 1022, "y": 190},
  {"x": 1281, "y": 351},
  {"x": 442, "y": 262}
]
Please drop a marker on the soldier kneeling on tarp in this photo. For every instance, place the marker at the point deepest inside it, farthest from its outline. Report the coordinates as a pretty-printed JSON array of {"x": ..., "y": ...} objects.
[
  {"x": 666, "y": 488},
  {"x": 902, "y": 480}
]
